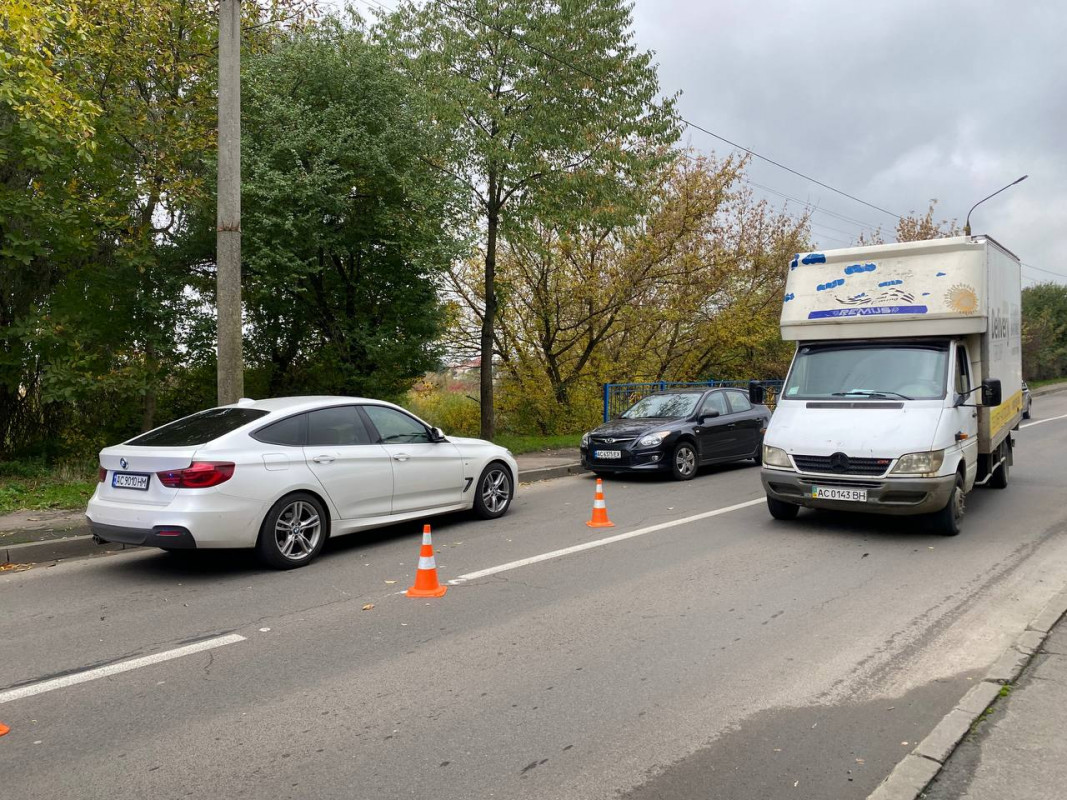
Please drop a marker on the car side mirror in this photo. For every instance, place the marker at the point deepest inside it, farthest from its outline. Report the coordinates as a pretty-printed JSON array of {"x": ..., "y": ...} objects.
[
  {"x": 991, "y": 392},
  {"x": 437, "y": 435},
  {"x": 756, "y": 393},
  {"x": 708, "y": 415}
]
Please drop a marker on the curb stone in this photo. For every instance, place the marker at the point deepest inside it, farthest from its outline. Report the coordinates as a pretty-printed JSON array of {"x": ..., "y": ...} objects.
[
  {"x": 80, "y": 546},
  {"x": 912, "y": 775}
]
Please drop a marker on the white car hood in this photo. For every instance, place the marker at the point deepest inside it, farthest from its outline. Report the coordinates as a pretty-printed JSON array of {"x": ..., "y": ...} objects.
[{"x": 859, "y": 431}]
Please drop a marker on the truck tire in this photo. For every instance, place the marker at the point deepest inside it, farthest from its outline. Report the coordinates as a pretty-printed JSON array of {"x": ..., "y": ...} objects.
[
  {"x": 999, "y": 479},
  {"x": 947, "y": 520},
  {"x": 782, "y": 510}
]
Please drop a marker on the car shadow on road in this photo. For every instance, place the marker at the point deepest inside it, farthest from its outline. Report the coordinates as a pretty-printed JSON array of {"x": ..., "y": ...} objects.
[
  {"x": 665, "y": 477},
  {"x": 908, "y": 529}
]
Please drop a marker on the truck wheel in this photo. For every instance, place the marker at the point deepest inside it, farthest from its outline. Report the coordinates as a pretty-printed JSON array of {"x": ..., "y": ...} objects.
[
  {"x": 782, "y": 510},
  {"x": 999, "y": 479},
  {"x": 947, "y": 520}
]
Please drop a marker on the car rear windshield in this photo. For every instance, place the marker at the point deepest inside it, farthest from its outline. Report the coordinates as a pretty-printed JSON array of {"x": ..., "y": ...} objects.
[
  {"x": 199, "y": 428},
  {"x": 661, "y": 406}
]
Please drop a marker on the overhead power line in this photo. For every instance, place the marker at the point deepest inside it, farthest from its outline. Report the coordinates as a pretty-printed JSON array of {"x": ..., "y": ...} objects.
[{"x": 1049, "y": 271}]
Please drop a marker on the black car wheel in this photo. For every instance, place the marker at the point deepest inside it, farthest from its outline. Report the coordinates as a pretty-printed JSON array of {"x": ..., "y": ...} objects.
[
  {"x": 947, "y": 520},
  {"x": 684, "y": 461},
  {"x": 293, "y": 532},
  {"x": 495, "y": 492}
]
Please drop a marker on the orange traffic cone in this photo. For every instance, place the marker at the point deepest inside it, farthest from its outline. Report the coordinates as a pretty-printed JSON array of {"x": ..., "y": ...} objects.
[
  {"x": 600, "y": 511},
  {"x": 426, "y": 584},
  {"x": 3, "y": 729}
]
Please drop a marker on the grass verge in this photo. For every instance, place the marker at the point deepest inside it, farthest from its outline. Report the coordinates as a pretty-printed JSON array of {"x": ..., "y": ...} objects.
[
  {"x": 33, "y": 486},
  {"x": 1049, "y": 382},
  {"x": 519, "y": 444}
]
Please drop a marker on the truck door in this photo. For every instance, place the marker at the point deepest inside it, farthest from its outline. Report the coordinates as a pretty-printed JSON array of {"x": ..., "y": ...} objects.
[{"x": 966, "y": 418}]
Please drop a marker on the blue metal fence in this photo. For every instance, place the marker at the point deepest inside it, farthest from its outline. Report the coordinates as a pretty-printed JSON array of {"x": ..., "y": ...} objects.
[{"x": 620, "y": 396}]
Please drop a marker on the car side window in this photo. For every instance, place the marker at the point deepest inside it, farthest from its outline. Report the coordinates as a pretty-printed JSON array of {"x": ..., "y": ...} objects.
[
  {"x": 714, "y": 402},
  {"x": 963, "y": 381},
  {"x": 396, "y": 427},
  {"x": 340, "y": 426},
  {"x": 290, "y": 432},
  {"x": 738, "y": 402}
]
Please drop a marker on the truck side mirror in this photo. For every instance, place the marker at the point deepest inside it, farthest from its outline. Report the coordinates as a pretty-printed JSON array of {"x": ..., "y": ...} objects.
[
  {"x": 991, "y": 392},
  {"x": 756, "y": 393}
]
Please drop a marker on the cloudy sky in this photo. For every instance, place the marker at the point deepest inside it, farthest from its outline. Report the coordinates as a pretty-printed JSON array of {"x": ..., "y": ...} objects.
[{"x": 895, "y": 103}]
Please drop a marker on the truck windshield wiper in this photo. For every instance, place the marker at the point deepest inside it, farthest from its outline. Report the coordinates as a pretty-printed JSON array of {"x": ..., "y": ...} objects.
[{"x": 872, "y": 393}]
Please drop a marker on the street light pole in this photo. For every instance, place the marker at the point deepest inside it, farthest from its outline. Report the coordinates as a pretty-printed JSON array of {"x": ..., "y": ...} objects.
[
  {"x": 967, "y": 224},
  {"x": 228, "y": 236}
]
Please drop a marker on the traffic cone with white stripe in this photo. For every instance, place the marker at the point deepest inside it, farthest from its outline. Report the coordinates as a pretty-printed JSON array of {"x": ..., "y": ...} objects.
[
  {"x": 426, "y": 584},
  {"x": 600, "y": 510}
]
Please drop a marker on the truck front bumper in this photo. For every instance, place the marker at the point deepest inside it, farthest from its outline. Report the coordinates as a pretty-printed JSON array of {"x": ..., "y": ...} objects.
[{"x": 902, "y": 496}]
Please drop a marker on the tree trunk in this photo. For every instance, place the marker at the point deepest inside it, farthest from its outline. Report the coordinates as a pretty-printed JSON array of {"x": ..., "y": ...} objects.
[
  {"x": 148, "y": 419},
  {"x": 489, "y": 317}
]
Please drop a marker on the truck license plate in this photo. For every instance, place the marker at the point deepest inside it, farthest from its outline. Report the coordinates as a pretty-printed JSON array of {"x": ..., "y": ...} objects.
[
  {"x": 129, "y": 480},
  {"x": 607, "y": 454},
  {"x": 838, "y": 493}
]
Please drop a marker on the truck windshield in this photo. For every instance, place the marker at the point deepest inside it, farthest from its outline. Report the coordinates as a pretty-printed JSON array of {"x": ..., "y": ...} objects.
[{"x": 895, "y": 371}]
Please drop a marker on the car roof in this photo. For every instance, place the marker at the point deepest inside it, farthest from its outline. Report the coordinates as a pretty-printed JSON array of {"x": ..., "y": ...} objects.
[
  {"x": 696, "y": 389},
  {"x": 302, "y": 403}
]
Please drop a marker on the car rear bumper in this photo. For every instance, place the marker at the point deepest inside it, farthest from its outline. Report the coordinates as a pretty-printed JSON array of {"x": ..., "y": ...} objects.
[
  {"x": 211, "y": 521},
  {"x": 898, "y": 496},
  {"x": 169, "y": 537}
]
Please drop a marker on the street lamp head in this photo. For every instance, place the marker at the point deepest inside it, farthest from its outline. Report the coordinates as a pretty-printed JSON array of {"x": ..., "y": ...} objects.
[{"x": 967, "y": 224}]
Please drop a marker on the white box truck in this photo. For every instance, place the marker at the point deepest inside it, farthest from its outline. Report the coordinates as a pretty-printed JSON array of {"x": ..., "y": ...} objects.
[{"x": 907, "y": 380}]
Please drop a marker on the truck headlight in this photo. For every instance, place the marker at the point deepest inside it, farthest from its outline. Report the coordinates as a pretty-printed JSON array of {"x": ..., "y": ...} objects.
[
  {"x": 653, "y": 439},
  {"x": 585, "y": 440},
  {"x": 776, "y": 457},
  {"x": 920, "y": 463}
]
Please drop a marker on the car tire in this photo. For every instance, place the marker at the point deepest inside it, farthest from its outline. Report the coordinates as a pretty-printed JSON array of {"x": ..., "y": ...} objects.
[
  {"x": 684, "y": 461},
  {"x": 947, "y": 520},
  {"x": 494, "y": 491},
  {"x": 1026, "y": 413},
  {"x": 781, "y": 510},
  {"x": 278, "y": 546},
  {"x": 758, "y": 458}
]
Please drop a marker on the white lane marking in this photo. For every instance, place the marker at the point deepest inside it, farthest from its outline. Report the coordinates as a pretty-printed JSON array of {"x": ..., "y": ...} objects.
[
  {"x": 1043, "y": 421},
  {"x": 470, "y": 576},
  {"x": 114, "y": 669}
]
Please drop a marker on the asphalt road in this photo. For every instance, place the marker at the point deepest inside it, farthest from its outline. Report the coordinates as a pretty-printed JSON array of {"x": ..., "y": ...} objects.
[{"x": 727, "y": 656}]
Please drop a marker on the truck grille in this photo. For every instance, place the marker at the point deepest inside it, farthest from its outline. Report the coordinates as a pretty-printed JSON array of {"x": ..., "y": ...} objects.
[{"x": 840, "y": 464}]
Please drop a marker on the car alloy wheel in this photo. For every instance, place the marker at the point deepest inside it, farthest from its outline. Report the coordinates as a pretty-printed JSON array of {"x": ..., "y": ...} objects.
[
  {"x": 684, "y": 461},
  {"x": 495, "y": 492},
  {"x": 297, "y": 530},
  {"x": 293, "y": 532}
]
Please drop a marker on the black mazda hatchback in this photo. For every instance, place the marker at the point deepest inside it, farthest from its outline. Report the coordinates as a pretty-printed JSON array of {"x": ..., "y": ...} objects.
[{"x": 678, "y": 431}]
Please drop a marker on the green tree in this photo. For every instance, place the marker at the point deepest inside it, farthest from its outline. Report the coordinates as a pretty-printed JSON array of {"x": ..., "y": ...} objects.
[
  {"x": 550, "y": 110},
  {"x": 347, "y": 227},
  {"x": 1044, "y": 333}
]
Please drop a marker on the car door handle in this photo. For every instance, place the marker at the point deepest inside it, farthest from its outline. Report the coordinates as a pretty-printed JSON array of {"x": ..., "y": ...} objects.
[
  {"x": 401, "y": 457},
  {"x": 323, "y": 459}
]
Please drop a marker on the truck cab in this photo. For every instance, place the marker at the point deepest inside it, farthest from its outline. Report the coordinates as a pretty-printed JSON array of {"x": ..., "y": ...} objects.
[{"x": 894, "y": 403}]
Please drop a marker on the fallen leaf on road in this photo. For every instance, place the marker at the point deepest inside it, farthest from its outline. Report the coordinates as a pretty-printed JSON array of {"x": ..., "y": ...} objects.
[
  {"x": 390, "y": 582},
  {"x": 15, "y": 567},
  {"x": 905, "y": 744},
  {"x": 796, "y": 784},
  {"x": 865, "y": 555},
  {"x": 368, "y": 607},
  {"x": 890, "y": 708}
]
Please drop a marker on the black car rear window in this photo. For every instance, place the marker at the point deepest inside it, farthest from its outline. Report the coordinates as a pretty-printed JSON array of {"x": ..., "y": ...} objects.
[{"x": 198, "y": 429}]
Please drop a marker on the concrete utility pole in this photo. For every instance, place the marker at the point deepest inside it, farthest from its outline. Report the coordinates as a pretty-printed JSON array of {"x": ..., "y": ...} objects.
[{"x": 228, "y": 239}]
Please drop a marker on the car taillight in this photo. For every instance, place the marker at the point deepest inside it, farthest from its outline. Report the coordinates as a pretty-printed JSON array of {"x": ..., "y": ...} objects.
[
  {"x": 200, "y": 475},
  {"x": 101, "y": 475}
]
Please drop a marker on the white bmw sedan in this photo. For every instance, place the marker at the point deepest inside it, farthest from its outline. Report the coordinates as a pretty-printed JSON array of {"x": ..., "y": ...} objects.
[{"x": 283, "y": 475}]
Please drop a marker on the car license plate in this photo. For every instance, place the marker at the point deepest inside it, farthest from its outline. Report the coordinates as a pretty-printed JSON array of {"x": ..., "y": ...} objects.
[
  {"x": 838, "y": 493},
  {"x": 607, "y": 454},
  {"x": 130, "y": 480}
]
